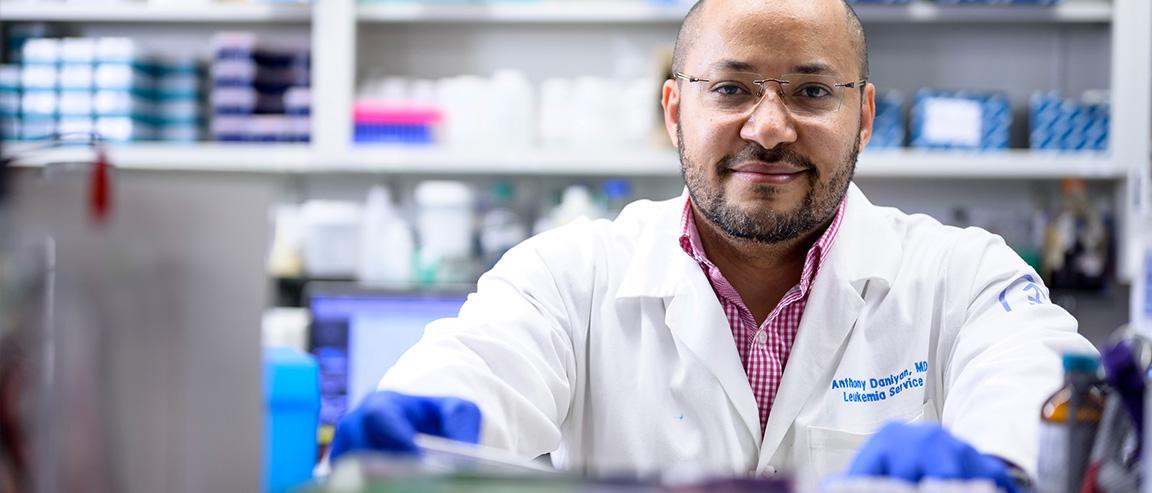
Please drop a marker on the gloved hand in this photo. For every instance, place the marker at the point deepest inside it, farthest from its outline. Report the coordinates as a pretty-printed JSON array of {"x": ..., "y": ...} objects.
[
  {"x": 912, "y": 452},
  {"x": 389, "y": 421}
]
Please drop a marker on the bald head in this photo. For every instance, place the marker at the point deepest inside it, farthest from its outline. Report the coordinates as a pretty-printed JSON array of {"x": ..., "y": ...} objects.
[{"x": 690, "y": 29}]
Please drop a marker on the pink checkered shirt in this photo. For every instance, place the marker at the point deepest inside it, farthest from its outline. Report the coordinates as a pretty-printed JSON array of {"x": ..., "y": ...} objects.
[{"x": 763, "y": 350}]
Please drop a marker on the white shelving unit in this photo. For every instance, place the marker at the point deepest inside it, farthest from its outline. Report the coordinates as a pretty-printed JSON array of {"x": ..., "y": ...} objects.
[
  {"x": 302, "y": 159},
  {"x": 336, "y": 27},
  {"x": 639, "y": 13},
  {"x": 212, "y": 157},
  {"x": 1076, "y": 46},
  {"x": 190, "y": 12},
  {"x": 545, "y": 12}
]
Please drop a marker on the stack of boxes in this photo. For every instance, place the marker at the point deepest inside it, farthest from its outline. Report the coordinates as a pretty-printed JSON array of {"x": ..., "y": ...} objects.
[
  {"x": 10, "y": 102},
  {"x": 385, "y": 123},
  {"x": 259, "y": 93},
  {"x": 102, "y": 85},
  {"x": 1068, "y": 125},
  {"x": 39, "y": 78},
  {"x": 179, "y": 101}
]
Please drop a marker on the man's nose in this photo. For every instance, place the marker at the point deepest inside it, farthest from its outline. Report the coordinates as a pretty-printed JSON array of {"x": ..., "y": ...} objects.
[{"x": 769, "y": 123}]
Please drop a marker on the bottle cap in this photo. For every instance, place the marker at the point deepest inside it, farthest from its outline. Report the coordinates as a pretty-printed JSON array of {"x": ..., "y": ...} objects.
[
  {"x": 1082, "y": 363},
  {"x": 617, "y": 189},
  {"x": 502, "y": 192}
]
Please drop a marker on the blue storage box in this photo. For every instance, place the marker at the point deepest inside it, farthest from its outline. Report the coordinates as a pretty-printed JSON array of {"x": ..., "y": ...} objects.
[
  {"x": 1067, "y": 125},
  {"x": 960, "y": 120},
  {"x": 1036, "y": 3},
  {"x": 888, "y": 129}
]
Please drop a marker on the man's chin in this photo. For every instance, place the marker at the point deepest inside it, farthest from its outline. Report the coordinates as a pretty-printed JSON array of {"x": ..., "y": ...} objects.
[{"x": 759, "y": 206}]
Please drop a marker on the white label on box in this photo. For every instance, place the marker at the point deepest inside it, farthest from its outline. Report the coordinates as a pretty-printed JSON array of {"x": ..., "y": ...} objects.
[{"x": 953, "y": 121}]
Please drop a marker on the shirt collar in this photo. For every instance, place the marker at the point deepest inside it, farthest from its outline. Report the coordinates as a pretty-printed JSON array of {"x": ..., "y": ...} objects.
[{"x": 813, "y": 260}]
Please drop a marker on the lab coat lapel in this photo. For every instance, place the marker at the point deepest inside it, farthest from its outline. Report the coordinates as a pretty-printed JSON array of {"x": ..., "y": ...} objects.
[
  {"x": 864, "y": 259},
  {"x": 832, "y": 310},
  {"x": 661, "y": 269},
  {"x": 698, "y": 322}
]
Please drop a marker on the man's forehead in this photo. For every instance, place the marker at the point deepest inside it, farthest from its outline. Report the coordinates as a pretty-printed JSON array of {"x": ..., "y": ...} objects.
[
  {"x": 810, "y": 36},
  {"x": 828, "y": 12}
]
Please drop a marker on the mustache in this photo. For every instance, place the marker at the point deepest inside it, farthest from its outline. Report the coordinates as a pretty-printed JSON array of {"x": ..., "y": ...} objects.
[{"x": 754, "y": 152}]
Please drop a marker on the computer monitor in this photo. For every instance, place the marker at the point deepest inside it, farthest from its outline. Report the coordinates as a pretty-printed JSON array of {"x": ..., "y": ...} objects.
[{"x": 359, "y": 333}]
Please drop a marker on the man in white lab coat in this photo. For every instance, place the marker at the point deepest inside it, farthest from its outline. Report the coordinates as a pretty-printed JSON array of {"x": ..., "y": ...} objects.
[{"x": 770, "y": 319}]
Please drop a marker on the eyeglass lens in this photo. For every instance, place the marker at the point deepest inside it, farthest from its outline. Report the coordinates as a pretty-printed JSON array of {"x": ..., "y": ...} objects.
[{"x": 740, "y": 92}]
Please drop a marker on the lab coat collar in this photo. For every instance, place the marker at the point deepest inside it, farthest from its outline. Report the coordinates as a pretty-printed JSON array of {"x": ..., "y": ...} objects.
[{"x": 659, "y": 264}]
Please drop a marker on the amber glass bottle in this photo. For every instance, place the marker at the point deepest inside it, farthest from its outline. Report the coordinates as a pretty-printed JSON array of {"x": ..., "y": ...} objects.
[{"x": 1068, "y": 423}]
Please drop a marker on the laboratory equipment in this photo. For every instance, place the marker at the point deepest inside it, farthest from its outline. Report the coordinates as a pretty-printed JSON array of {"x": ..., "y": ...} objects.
[
  {"x": 359, "y": 332},
  {"x": 153, "y": 324},
  {"x": 292, "y": 396},
  {"x": 1069, "y": 421}
]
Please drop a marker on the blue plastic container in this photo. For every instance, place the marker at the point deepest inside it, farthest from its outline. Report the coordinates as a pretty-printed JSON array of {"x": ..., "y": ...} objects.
[{"x": 292, "y": 395}]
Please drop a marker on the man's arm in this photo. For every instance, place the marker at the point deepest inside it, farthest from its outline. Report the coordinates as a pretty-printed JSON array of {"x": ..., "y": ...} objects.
[
  {"x": 1004, "y": 359},
  {"x": 509, "y": 351}
]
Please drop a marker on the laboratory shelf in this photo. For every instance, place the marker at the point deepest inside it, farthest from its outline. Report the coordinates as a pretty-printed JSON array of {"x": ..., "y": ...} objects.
[
  {"x": 382, "y": 159},
  {"x": 128, "y": 12},
  {"x": 546, "y": 11},
  {"x": 207, "y": 156},
  {"x": 1015, "y": 163},
  {"x": 901, "y": 163},
  {"x": 552, "y": 11},
  {"x": 1071, "y": 11},
  {"x": 397, "y": 159}
]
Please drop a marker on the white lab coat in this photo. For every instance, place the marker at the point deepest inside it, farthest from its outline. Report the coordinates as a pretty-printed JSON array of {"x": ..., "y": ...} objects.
[{"x": 603, "y": 343}]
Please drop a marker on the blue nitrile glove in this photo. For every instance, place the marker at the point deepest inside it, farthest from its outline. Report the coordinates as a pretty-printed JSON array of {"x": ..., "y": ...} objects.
[
  {"x": 389, "y": 421},
  {"x": 912, "y": 452}
]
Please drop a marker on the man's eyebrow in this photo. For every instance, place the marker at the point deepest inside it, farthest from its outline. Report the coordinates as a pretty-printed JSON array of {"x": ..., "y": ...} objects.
[
  {"x": 730, "y": 64},
  {"x": 814, "y": 68}
]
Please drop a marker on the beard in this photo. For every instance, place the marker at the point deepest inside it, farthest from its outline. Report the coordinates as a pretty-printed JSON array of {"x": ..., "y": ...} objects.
[{"x": 766, "y": 225}]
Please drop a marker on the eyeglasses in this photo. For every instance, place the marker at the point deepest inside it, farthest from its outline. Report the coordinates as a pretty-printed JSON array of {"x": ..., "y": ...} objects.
[{"x": 737, "y": 93}]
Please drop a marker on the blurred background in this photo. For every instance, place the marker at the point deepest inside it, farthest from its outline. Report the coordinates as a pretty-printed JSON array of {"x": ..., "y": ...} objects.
[{"x": 331, "y": 176}]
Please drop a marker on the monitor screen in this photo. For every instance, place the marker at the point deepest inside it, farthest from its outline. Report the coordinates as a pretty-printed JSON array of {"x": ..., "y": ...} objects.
[{"x": 357, "y": 337}]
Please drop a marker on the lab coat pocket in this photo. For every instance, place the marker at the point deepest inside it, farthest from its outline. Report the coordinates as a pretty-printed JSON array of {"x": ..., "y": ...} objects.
[{"x": 831, "y": 451}]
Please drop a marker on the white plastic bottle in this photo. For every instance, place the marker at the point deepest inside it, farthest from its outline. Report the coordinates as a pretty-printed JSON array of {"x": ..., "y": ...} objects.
[
  {"x": 512, "y": 101},
  {"x": 445, "y": 226},
  {"x": 386, "y": 243},
  {"x": 576, "y": 203},
  {"x": 501, "y": 227}
]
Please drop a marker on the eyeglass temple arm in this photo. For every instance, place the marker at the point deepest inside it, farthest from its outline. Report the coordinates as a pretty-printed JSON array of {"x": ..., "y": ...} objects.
[{"x": 689, "y": 78}]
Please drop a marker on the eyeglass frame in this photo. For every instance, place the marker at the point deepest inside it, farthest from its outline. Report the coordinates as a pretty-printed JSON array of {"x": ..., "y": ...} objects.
[{"x": 862, "y": 83}]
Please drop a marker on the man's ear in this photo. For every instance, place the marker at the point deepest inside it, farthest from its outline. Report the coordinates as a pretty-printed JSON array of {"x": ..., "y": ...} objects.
[
  {"x": 867, "y": 114},
  {"x": 670, "y": 101}
]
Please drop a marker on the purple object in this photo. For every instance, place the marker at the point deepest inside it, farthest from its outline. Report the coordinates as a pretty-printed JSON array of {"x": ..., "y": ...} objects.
[{"x": 1123, "y": 374}]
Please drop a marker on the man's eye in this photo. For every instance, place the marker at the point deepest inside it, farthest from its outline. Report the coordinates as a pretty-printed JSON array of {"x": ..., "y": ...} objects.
[
  {"x": 814, "y": 91},
  {"x": 730, "y": 89}
]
